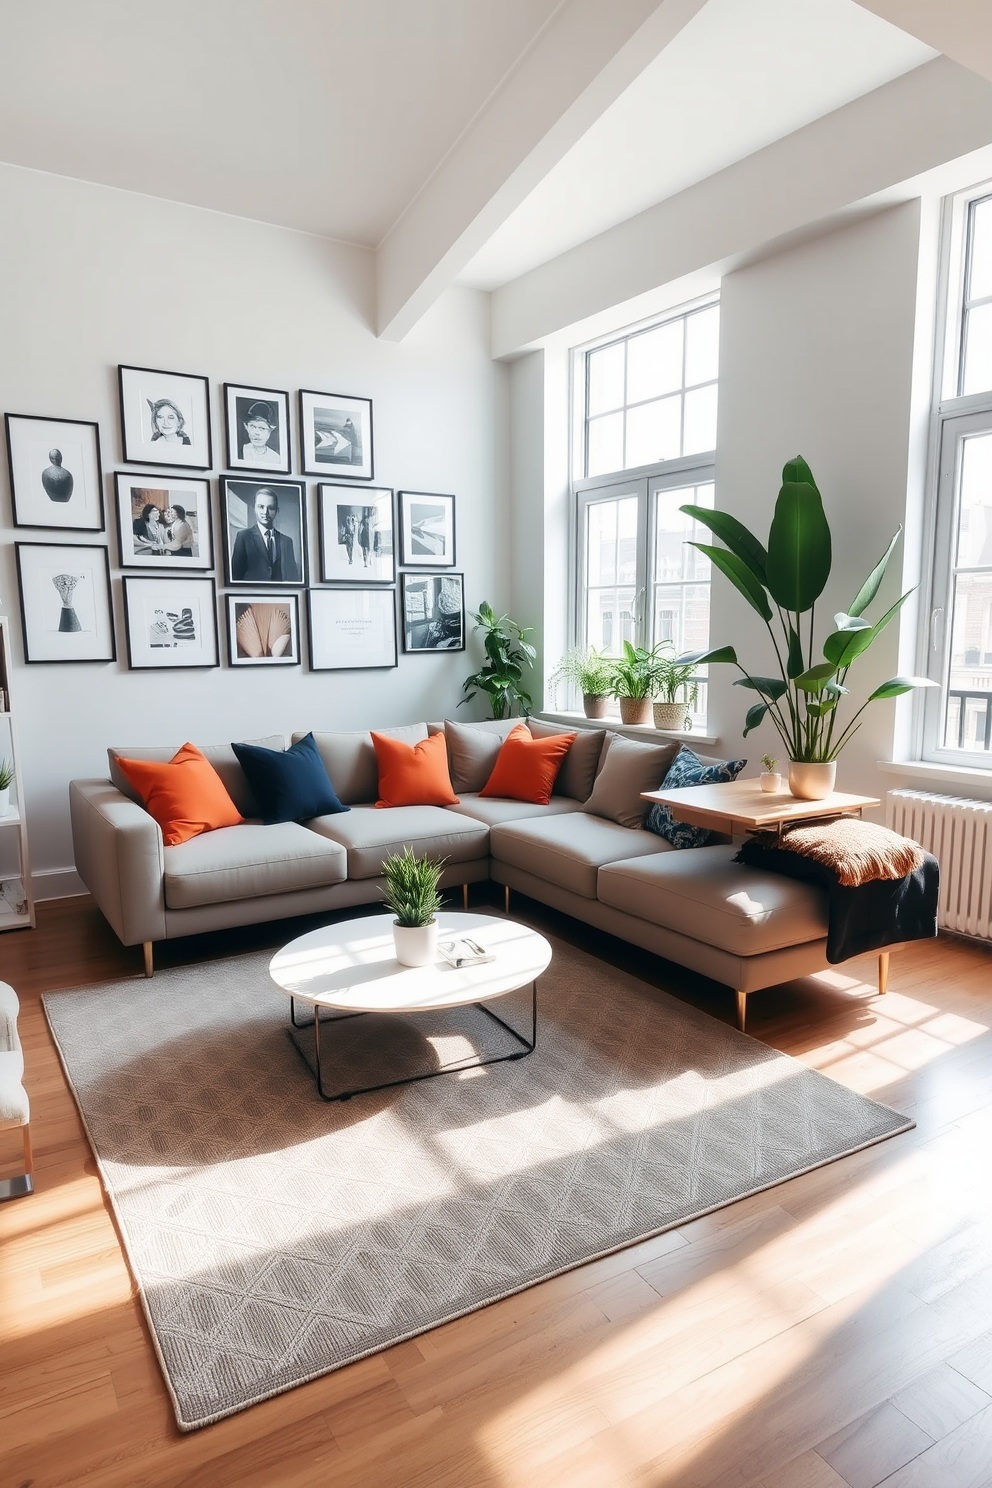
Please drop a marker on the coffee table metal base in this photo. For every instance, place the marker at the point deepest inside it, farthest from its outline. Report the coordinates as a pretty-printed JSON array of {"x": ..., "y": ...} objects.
[{"x": 312, "y": 1058}]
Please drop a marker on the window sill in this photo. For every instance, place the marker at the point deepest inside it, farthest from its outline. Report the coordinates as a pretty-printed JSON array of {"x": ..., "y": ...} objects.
[
  {"x": 630, "y": 730},
  {"x": 927, "y": 774}
]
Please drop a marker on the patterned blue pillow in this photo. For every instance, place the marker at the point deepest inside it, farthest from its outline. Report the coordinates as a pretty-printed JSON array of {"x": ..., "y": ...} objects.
[{"x": 688, "y": 769}]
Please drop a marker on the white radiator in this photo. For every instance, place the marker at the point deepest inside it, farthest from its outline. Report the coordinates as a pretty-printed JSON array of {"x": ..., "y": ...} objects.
[{"x": 959, "y": 834}]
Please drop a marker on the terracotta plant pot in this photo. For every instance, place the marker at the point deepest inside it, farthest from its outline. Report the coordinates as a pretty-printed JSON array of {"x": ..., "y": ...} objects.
[
  {"x": 596, "y": 704},
  {"x": 812, "y": 782},
  {"x": 636, "y": 710},
  {"x": 416, "y": 945},
  {"x": 670, "y": 716}
]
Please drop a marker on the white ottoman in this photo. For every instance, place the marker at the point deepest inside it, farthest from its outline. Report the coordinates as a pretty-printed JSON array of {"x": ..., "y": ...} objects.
[{"x": 14, "y": 1107}]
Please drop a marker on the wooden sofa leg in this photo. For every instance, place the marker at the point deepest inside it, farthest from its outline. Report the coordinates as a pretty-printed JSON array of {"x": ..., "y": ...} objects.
[
  {"x": 464, "y": 896},
  {"x": 741, "y": 1009},
  {"x": 883, "y": 973},
  {"x": 506, "y": 898},
  {"x": 146, "y": 946}
]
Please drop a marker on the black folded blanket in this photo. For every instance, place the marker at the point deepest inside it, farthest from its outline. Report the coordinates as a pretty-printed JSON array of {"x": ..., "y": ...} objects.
[{"x": 867, "y": 918}]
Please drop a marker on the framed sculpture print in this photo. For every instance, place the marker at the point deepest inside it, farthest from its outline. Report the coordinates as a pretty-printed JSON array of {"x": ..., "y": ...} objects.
[
  {"x": 165, "y": 418},
  {"x": 170, "y": 623},
  {"x": 336, "y": 435},
  {"x": 265, "y": 531},
  {"x": 427, "y": 528},
  {"x": 433, "y": 612},
  {"x": 66, "y": 609},
  {"x": 352, "y": 628},
  {"x": 356, "y": 535},
  {"x": 257, "y": 425},
  {"x": 56, "y": 475},
  {"x": 263, "y": 630},
  {"x": 163, "y": 523}
]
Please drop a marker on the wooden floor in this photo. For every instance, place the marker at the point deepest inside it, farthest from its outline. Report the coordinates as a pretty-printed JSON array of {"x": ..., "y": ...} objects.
[{"x": 834, "y": 1330}]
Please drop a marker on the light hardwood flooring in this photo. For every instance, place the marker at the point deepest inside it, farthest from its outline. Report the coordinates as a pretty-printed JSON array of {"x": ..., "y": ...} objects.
[{"x": 836, "y": 1330}]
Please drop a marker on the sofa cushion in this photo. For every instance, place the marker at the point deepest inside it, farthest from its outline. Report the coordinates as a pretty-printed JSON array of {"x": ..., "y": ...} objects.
[
  {"x": 221, "y": 756},
  {"x": 493, "y": 810},
  {"x": 369, "y": 835},
  {"x": 413, "y": 774},
  {"x": 473, "y": 749},
  {"x": 249, "y": 862},
  {"x": 627, "y": 768},
  {"x": 349, "y": 759},
  {"x": 526, "y": 768},
  {"x": 578, "y": 770},
  {"x": 289, "y": 784},
  {"x": 706, "y": 895},
  {"x": 686, "y": 769},
  {"x": 185, "y": 795},
  {"x": 569, "y": 850}
]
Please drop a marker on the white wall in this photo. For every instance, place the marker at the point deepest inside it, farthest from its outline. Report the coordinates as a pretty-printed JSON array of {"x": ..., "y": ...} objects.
[
  {"x": 816, "y": 358},
  {"x": 92, "y": 277}
]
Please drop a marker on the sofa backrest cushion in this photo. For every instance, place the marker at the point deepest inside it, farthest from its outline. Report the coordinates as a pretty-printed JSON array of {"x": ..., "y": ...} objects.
[
  {"x": 349, "y": 759},
  {"x": 626, "y": 769},
  {"x": 290, "y": 785},
  {"x": 221, "y": 756},
  {"x": 472, "y": 750},
  {"x": 578, "y": 770},
  {"x": 185, "y": 794}
]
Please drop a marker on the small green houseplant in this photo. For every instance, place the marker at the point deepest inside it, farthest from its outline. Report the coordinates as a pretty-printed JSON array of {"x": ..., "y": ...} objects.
[
  {"x": 508, "y": 653},
  {"x": 411, "y": 892},
  {"x": 591, "y": 672},
  {"x": 6, "y": 781},
  {"x": 782, "y": 583},
  {"x": 675, "y": 689},
  {"x": 769, "y": 779},
  {"x": 635, "y": 674}
]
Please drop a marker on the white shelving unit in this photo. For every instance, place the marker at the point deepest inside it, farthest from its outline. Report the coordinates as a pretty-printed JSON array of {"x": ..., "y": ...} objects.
[{"x": 16, "y": 895}]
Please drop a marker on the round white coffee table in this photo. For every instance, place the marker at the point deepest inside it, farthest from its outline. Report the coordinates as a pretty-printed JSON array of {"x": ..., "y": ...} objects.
[{"x": 352, "y": 968}]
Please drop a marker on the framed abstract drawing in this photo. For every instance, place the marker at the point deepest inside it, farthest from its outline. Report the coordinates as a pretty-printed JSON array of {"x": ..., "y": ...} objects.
[
  {"x": 66, "y": 608},
  {"x": 170, "y": 623},
  {"x": 56, "y": 474},
  {"x": 427, "y": 530},
  {"x": 336, "y": 435},
  {"x": 263, "y": 630}
]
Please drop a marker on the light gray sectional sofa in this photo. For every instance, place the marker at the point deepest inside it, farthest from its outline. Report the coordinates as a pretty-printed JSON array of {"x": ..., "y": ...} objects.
[{"x": 585, "y": 853}]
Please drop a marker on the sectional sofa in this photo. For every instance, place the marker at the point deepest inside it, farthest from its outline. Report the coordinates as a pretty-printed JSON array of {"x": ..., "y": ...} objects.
[{"x": 585, "y": 853}]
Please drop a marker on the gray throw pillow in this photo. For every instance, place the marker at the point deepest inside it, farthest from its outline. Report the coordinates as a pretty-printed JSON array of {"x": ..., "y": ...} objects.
[
  {"x": 578, "y": 768},
  {"x": 626, "y": 769},
  {"x": 472, "y": 750}
]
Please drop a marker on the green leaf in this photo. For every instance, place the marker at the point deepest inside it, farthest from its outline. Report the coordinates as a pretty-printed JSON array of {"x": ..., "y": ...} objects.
[
  {"x": 798, "y": 547},
  {"x": 870, "y": 587},
  {"x": 796, "y": 662},
  {"x": 769, "y": 687},
  {"x": 797, "y": 470},
  {"x": 754, "y": 717},
  {"x": 698, "y": 658},
  {"x": 743, "y": 580},
  {"x": 742, "y": 543},
  {"x": 842, "y": 646},
  {"x": 816, "y": 678},
  {"x": 896, "y": 686}
]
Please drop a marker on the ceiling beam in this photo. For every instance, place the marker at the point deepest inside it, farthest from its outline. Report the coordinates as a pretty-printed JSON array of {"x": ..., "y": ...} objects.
[
  {"x": 961, "y": 29},
  {"x": 584, "y": 58}
]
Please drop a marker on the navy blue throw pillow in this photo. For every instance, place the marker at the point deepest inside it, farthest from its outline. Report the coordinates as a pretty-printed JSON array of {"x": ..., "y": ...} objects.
[
  {"x": 688, "y": 769},
  {"x": 291, "y": 784}
]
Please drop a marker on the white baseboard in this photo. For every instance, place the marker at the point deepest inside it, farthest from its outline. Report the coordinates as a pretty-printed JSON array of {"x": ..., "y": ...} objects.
[{"x": 57, "y": 883}]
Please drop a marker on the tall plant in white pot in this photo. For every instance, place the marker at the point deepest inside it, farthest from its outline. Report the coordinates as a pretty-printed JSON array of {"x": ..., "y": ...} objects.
[
  {"x": 411, "y": 892},
  {"x": 782, "y": 583}
]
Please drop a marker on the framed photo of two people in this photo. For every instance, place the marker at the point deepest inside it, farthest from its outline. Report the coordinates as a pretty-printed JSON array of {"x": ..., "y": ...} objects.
[{"x": 265, "y": 531}]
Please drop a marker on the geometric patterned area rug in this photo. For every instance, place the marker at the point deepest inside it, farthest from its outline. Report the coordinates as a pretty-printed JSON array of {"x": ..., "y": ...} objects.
[{"x": 274, "y": 1237}]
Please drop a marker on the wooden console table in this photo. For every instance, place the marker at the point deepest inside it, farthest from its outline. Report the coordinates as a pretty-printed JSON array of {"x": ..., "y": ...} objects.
[{"x": 739, "y": 806}]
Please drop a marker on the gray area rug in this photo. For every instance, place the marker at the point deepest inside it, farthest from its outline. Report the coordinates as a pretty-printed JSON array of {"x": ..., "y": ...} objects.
[{"x": 275, "y": 1237}]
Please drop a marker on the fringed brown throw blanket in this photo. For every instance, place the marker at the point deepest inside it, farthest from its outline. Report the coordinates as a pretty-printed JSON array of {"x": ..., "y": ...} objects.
[{"x": 882, "y": 888}]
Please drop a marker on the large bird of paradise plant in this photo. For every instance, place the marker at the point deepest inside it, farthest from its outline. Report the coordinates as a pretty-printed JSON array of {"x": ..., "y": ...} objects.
[{"x": 782, "y": 584}]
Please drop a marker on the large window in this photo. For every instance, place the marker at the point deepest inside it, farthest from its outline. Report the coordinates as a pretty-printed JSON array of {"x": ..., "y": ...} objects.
[
  {"x": 958, "y": 719},
  {"x": 645, "y": 446}
]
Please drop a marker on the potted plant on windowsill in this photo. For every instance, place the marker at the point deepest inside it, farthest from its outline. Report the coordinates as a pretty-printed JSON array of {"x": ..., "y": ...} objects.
[
  {"x": 633, "y": 682},
  {"x": 591, "y": 673},
  {"x": 411, "y": 892},
  {"x": 672, "y": 677},
  {"x": 508, "y": 652},
  {"x": 782, "y": 583}
]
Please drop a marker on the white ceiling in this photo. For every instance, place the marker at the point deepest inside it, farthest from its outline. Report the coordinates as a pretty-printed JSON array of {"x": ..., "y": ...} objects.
[{"x": 742, "y": 74}]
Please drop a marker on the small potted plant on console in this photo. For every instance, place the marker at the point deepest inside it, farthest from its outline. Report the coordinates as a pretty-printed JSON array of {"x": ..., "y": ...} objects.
[
  {"x": 411, "y": 892},
  {"x": 769, "y": 779}
]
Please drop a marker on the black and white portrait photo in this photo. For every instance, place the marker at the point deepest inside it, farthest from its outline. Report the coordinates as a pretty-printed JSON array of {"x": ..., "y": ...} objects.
[
  {"x": 433, "y": 612},
  {"x": 163, "y": 524},
  {"x": 263, "y": 631},
  {"x": 257, "y": 421},
  {"x": 427, "y": 524},
  {"x": 171, "y": 623},
  {"x": 356, "y": 535},
  {"x": 336, "y": 435},
  {"x": 265, "y": 529},
  {"x": 165, "y": 418},
  {"x": 56, "y": 476}
]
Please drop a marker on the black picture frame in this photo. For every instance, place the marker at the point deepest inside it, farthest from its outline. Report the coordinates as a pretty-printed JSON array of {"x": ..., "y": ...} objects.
[
  {"x": 244, "y": 552},
  {"x": 366, "y": 555},
  {"x": 351, "y": 629},
  {"x": 259, "y": 625},
  {"x": 64, "y": 493},
  {"x": 427, "y": 530},
  {"x": 41, "y": 562},
  {"x": 164, "y": 492},
  {"x": 180, "y": 602},
  {"x": 239, "y": 401},
  {"x": 433, "y": 612},
  {"x": 328, "y": 423},
  {"x": 147, "y": 394}
]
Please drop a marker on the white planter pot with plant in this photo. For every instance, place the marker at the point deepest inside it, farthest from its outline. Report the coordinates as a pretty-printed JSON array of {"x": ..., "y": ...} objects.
[
  {"x": 675, "y": 691},
  {"x": 590, "y": 673},
  {"x": 6, "y": 780},
  {"x": 769, "y": 779},
  {"x": 411, "y": 892},
  {"x": 784, "y": 582}
]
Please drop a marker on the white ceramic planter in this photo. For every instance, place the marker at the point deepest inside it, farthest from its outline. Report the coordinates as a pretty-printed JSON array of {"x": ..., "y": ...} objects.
[
  {"x": 416, "y": 945},
  {"x": 770, "y": 780},
  {"x": 5, "y": 801},
  {"x": 812, "y": 782},
  {"x": 671, "y": 717}
]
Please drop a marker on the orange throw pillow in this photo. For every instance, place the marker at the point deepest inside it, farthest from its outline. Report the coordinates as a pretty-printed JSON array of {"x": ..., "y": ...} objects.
[
  {"x": 413, "y": 774},
  {"x": 185, "y": 796},
  {"x": 526, "y": 768}
]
